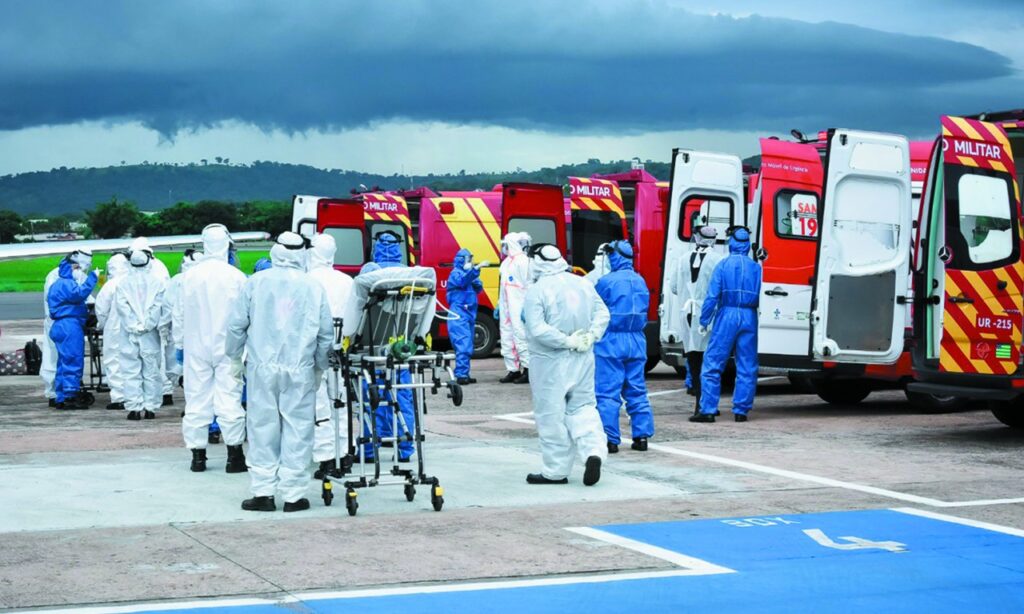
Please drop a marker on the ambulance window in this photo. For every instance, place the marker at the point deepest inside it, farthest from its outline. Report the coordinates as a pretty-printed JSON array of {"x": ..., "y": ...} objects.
[
  {"x": 307, "y": 228},
  {"x": 349, "y": 242},
  {"x": 541, "y": 230},
  {"x": 590, "y": 229},
  {"x": 796, "y": 215},
  {"x": 983, "y": 232},
  {"x": 714, "y": 211},
  {"x": 376, "y": 228}
]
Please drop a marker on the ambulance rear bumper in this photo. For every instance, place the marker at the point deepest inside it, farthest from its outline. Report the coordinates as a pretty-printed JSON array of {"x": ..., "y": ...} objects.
[{"x": 967, "y": 392}]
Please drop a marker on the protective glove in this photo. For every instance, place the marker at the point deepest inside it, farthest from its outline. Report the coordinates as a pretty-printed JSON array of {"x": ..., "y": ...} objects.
[
  {"x": 586, "y": 342},
  {"x": 703, "y": 330},
  {"x": 484, "y": 264},
  {"x": 575, "y": 341},
  {"x": 179, "y": 356}
]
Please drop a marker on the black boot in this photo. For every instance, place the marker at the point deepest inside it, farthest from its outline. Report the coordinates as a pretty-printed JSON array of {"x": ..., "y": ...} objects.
[
  {"x": 466, "y": 381},
  {"x": 134, "y": 415},
  {"x": 214, "y": 437},
  {"x": 613, "y": 448},
  {"x": 148, "y": 415},
  {"x": 296, "y": 506},
  {"x": 592, "y": 472},
  {"x": 168, "y": 400},
  {"x": 119, "y": 406},
  {"x": 327, "y": 467},
  {"x": 198, "y": 460},
  {"x": 640, "y": 444},
  {"x": 51, "y": 402},
  {"x": 236, "y": 460},
  {"x": 740, "y": 417},
  {"x": 702, "y": 418},
  {"x": 524, "y": 378},
  {"x": 510, "y": 377},
  {"x": 259, "y": 504},
  {"x": 537, "y": 478}
]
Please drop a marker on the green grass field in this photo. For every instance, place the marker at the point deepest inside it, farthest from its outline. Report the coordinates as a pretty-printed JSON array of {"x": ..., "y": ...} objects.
[{"x": 28, "y": 275}]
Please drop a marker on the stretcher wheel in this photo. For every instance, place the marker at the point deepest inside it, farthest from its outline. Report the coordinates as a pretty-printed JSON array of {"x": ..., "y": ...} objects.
[
  {"x": 350, "y": 502},
  {"x": 455, "y": 393},
  {"x": 374, "y": 395},
  {"x": 327, "y": 493},
  {"x": 410, "y": 492},
  {"x": 437, "y": 495}
]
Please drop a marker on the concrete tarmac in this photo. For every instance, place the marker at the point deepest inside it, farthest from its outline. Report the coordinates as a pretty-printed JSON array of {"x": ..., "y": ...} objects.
[{"x": 97, "y": 510}]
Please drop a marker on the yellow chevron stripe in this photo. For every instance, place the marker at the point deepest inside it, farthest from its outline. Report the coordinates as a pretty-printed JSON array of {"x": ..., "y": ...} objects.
[
  {"x": 971, "y": 312},
  {"x": 404, "y": 219},
  {"x": 951, "y": 328},
  {"x": 492, "y": 226},
  {"x": 967, "y": 128},
  {"x": 589, "y": 202},
  {"x": 614, "y": 206},
  {"x": 998, "y": 134},
  {"x": 385, "y": 216},
  {"x": 584, "y": 180},
  {"x": 967, "y": 161},
  {"x": 997, "y": 165},
  {"x": 946, "y": 131}
]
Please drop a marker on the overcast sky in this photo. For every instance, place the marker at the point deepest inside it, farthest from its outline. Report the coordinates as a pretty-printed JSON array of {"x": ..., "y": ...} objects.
[{"x": 420, "y": 86}]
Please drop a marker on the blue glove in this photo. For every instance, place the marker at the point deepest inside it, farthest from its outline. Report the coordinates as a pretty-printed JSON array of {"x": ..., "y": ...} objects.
[{"x": 179, "y": 355}]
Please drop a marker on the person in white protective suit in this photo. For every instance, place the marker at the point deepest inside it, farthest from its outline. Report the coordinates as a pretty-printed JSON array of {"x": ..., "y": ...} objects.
[
  {"x": 82, "y": 262},
  {"x": 564, "y": 317},
  {"x": 139, "y": 300},
  {"x": 172, "y": 370},
  {"x": 108, "y": 320},
  {"x": 601, "y": 267},
  {"x": 338, "y": 287},
  {"x": 690, "y": 283},
  {"x": 159, "y": 270},
  {"x": 213, "y": 380},
  {"x": 283, "y": 321},
  {"x": 514, "y": 274}
]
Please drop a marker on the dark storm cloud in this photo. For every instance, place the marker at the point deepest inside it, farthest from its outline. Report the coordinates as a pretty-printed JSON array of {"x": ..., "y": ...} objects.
[{"x": 560, "y": 66}]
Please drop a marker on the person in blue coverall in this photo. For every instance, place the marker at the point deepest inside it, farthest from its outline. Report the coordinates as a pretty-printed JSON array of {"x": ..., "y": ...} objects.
[
  {"x": 463, "y": 286},
  {"x": 621, "y": 354},
  {"x": 66, "y": 303},
  {"x": 730, "y": 311},
  {"x": 387, "y": 253}
]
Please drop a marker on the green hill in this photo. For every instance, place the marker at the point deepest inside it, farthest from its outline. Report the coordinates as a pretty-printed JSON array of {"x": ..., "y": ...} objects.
[{"x": 156, "y": 186}]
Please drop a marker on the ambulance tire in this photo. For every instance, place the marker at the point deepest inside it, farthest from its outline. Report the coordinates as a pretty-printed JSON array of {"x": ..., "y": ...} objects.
[
  {"x": 1009, "y": 413},
  {"x": 934, "y": 404},
  {"x": 802, "y": 384},
  {"x": 842, "y": 391},
  {"x": 485, "y": 336},
  {"x": 652, "y": 361}
]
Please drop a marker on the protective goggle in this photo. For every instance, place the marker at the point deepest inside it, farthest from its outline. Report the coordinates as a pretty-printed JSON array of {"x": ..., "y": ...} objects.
[
  {"x": 616, "y": 246},
  {"x": 388, "y": 233},
  {"x": 730, "y": 231},
  {"x": 537, "y": 251},
  {"x": 303, "y": 245}
]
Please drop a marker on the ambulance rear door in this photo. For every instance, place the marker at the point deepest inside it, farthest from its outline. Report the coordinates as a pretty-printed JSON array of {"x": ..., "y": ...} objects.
[
  {"x": 536, "y": 209},
  {"x": 705, "y": 189},
  {"x": 342, "y": 218},
  {"x": 597, "y": 217},
  {"x": 863, "y": 257}
]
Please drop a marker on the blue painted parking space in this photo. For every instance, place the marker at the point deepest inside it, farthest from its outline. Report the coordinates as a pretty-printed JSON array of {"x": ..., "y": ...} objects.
[{"x": 878, "y": 560}]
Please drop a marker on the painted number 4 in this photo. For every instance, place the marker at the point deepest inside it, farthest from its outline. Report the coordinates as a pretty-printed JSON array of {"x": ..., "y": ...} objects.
[{"x": 853, "y": 543}]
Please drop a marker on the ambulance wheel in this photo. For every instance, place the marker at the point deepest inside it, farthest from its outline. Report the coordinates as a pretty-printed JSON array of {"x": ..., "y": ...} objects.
[
  {"x": 485, "y": 336},
  {"x": 374, "y": 394},
  {"x": 842, "y": 391},
  {"x": 350, "y": 501},
  {"x": 652, "y": 361},
  {"x": 410, "y": 492},
  {"x": 327, "y": 493},
  {"x": 1009, "y": 413},
  {"x": 437, "y": 495},
  {"x": 935, "y": 404},
  {"x": 801, "y": 384}
]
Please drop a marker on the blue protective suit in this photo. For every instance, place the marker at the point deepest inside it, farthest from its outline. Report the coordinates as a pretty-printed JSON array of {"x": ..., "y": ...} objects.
[
  {"x": 622, "y": 353},
  {"x": 730, "y": 310},
  {"x": 66, "y": 303},
  {"x": 462, "y": 289},
  {"x": 387, "y": 253}
]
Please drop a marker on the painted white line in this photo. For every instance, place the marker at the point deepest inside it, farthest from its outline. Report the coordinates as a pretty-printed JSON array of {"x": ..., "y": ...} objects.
[
  {"x": 168, "y": 606},
  {"x": 796, "y": 475},
  {"x": 978, "y": 524},
  {"x": 521, "y": 418},
  {"x": 697, "y": 566},
  {"x": 665, "y": 392}
]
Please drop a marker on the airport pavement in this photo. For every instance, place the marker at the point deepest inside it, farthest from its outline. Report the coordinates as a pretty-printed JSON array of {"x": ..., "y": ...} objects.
[
  {"x": 21, "y": 306},
  {"x": 103, "y": 513}
]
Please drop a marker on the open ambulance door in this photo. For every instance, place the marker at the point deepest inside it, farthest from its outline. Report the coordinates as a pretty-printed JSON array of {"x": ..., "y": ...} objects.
[
  {"x": 598, "y": 216},
  {"x": 706, "y": 189},
  {"x": 342, "y": 218},
  {"x": 863, "y": 258},
  {"x": 969, "y": 265},
  {"x": 536, "y": 209}
]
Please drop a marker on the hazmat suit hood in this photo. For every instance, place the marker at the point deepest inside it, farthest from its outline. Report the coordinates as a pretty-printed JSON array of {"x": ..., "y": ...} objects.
[
  {"x": 461, "y": 258},
  {"x": 189, "y": 260},
  {"x": 387, "y": 251},
  {"x": 512, "y": 245},
  {"x": 65, "y": 268},
  {"x": 546, "y": 259},
  {"x": 216, "y": 242},
  {"x": 289, "y": 251},
  {"x": 705, "y": 236},
  {"x": 321, "y": 253},
  {"x": 739, "y": 241},
  {"x": 620, "y": 256},
  {"x": 117, "y": 266},
  {"x": 140, "y": 244}
]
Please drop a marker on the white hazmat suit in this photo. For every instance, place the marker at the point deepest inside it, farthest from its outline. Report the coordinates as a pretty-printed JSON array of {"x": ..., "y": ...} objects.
[
  {"x": 172, "y": 370},
  {"x": 514, "y": 274},
  {"x": 338, "y": 287},
  {"x": 213, "y": 381},
  {"x": 600, "y": 266},
  {"x": 109, "y": 321},
  {"x": 283, "y": 321},
  {"x": 564, "y": 317},
  {"x": 159, "y": 270},
  {"x": 139, "y": 302},
  {"x": 690, "y": 283}
]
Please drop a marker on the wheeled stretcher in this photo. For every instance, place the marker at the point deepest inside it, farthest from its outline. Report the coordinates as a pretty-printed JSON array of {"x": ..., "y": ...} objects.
[{"x": 387, "y": 325}]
